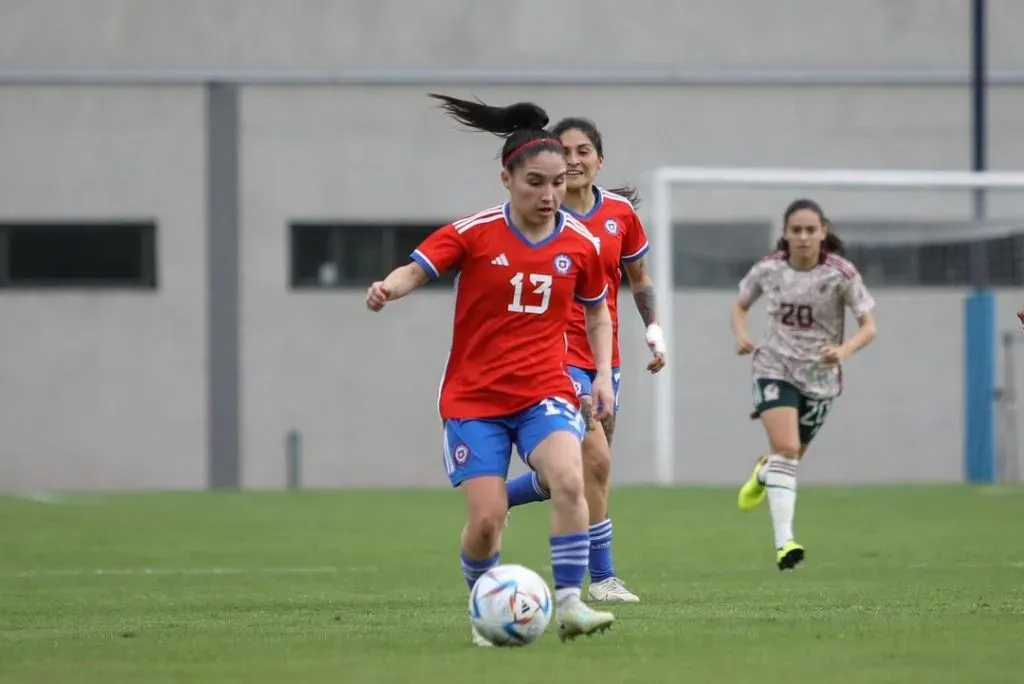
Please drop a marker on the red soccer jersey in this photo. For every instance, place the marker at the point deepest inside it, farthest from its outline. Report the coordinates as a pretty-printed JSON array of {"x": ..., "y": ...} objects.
[
  {"x": 513, "y": 302},
  {"x": 622, "y": 237}
]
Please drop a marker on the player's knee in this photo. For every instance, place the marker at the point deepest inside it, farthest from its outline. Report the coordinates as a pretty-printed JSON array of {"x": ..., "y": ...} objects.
[
  {"x": 566, "y": 481},
  {"x": 597, "y": 463},
  {"x": 558, "y": 462},
  {"x": 484, "y": 526}
]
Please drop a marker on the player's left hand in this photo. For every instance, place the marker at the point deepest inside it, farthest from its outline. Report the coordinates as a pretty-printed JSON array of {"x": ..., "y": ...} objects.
[
  {"x": 657, "y": 363},
  {"x": 602, "y": 396},
  {"x": 833, "y": 356},
  {"x": 1020, "y": 317},
  {"x": 656, "y": 343}
]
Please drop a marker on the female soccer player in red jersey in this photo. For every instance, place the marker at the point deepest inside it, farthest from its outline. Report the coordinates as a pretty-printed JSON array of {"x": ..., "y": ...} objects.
[
  {"x": 796, "y": 369},
  {"x": 609, "y": 215},
  {"x": 521, "y": 266}
]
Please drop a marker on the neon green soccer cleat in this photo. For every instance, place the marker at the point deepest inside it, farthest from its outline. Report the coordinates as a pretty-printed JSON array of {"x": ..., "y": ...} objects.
[
  {"x": 752, "y": 492},
  {"x": 789, "y": 556}
]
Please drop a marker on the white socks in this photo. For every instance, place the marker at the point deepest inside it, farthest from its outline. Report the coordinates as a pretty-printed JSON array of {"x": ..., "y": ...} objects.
[
  {"x": 566, "y": 594},
  {"x": 779, "y": 477}
]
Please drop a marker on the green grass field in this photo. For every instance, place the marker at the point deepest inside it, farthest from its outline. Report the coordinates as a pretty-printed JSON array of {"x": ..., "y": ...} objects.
[{"x": 919, "y": 584}]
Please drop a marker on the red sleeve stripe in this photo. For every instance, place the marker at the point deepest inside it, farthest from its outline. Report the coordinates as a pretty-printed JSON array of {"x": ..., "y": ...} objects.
[
  {"x": 848, "y": 270},
  {"x": 774, "y": 256}
]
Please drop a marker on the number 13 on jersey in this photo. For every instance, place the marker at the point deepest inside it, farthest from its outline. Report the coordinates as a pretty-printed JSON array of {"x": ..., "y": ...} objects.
[{"x": 541, "y": 284}]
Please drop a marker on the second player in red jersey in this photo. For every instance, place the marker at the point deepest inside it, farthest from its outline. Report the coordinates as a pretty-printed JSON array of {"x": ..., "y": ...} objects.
[
  {"x": 512, "y": 299},
  {"x": 612, "y": 220}
]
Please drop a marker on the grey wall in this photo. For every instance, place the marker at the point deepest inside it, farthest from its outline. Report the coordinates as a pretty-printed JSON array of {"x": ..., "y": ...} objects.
[
  {"x": 107, "y": 391},
  {"x": 315, "y": 34}
]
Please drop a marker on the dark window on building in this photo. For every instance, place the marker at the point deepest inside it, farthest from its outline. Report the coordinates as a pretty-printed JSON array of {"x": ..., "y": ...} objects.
[
  {"x": 68, "y": 255},
  {"x": 327, "y": 255}
]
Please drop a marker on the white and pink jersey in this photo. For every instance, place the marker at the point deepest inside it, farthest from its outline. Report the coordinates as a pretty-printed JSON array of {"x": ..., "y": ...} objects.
[{"x": 806, "y": 311}]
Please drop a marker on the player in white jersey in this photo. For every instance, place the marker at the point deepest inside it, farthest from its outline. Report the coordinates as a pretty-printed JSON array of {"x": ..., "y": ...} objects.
[{"x": 797, "y": 370}]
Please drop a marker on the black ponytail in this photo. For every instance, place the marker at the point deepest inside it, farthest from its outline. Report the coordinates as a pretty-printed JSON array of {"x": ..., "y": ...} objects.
[
  {"x": 629, "y": 192},
  {"x": 520, "y": 124},
  {"x": 833, "y": 243}
]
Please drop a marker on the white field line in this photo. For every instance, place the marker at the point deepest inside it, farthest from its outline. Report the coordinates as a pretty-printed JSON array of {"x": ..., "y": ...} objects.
[{"x": 41, "y": 573}]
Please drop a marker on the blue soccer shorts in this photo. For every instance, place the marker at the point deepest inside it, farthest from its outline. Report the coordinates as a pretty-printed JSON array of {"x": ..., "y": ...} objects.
[
  {"x": 482, "y": 447},
  {"x": 583, "y": 379}
]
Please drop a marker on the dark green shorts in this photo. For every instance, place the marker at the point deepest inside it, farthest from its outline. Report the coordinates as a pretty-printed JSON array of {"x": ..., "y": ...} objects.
[{"x": 811, "y": 413}]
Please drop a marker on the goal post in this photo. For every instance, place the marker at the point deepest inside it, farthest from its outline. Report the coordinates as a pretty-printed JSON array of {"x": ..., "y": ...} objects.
[{"x": 979, "y": 334}]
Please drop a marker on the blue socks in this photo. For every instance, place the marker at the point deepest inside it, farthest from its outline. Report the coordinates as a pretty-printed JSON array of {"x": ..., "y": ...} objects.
[
  {"x": 473, "y": 569},
  {"x": 525, "y": 489},
  {"x": 565, "y": 549},
  {"x": 601, "y": 567},
  {"x": 569, "y": 559}
]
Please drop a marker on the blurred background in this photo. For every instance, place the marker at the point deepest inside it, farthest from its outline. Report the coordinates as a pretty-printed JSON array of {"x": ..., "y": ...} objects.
[{"x": 195, "y": 194}]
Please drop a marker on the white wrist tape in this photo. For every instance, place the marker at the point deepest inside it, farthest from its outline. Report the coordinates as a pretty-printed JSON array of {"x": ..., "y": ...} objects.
[{"x": 656, "y": 338}]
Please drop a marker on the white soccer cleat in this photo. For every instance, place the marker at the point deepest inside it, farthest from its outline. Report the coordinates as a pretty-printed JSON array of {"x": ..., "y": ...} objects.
[
  {"x": 575, "y": 618},
  {"x": 478, "y": 640},
  {"x": 612, "y": 590}
]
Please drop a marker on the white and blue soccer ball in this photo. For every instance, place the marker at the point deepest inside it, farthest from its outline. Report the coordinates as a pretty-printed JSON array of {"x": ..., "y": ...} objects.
[{"x": 510, "y": 605}]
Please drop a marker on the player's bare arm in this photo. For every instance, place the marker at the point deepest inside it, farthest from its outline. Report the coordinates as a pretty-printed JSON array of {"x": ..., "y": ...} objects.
[
  {"x": 396, "y": 285},
  {"x": 599, "y": 335},
  {"x": 738, "y": 322},
  {"x": 642, "y": 285},
  {"x": 862, "y": 338}
]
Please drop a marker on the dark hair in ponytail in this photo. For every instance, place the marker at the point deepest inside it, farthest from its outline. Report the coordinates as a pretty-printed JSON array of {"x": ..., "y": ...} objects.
[
  {"x": 629, "y": 192},
  {"x": 833, "y": 244},
  {"x": 520, "y": 124}
]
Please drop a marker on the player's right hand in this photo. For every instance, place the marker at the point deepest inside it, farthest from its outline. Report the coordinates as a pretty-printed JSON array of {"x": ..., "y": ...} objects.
[
  {"x": 1020, "y": 317},
  {"x": 743, "y": 345},
  {"x": 377, "y": 296},
  {"x": 602, "y": 396}
]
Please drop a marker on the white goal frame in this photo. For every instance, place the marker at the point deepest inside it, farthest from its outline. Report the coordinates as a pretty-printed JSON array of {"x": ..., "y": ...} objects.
[{"x": 659, "y": 219}]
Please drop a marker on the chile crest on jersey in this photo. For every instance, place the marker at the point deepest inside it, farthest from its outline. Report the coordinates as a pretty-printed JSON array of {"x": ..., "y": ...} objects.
[{"x": 563, "y": 264}]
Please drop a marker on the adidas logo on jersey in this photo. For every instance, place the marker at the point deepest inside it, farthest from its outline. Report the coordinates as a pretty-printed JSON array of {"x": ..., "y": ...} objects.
[{"x": 500, "y": 260}]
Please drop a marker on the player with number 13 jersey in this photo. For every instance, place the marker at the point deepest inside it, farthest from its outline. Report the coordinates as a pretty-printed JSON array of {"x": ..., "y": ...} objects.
[
  {"x": 513, "y": 301},
  {"x": 520, "y": 268}
]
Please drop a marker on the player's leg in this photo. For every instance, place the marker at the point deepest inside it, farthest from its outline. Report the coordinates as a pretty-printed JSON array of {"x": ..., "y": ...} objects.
[
  {"x": 476, "y": 457},
  {"x": 529, "y": 487},
  {"x": 774, "y": 477},
  {"x": 605, "y": 584},
  {"x": 549, "y": 437}
]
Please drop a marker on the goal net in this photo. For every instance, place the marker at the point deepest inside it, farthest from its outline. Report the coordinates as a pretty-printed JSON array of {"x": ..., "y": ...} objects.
[{"x": 943, "y": 254}]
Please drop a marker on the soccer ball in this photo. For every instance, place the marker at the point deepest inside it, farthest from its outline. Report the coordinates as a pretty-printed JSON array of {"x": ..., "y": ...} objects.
[{"x": 510, "y": 605}]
